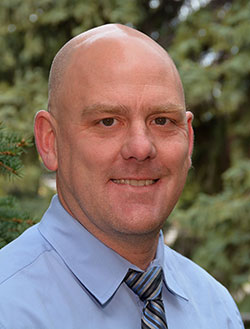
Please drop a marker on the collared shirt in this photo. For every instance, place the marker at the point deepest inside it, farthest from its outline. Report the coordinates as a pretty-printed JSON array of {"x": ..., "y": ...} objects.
[{"x": 57, "y": 275}]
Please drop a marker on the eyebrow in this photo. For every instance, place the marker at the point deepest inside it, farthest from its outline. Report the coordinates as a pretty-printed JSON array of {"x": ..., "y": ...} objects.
[
  {"x": 100, "y": 108},
  {"x": 168, "y": 108}
]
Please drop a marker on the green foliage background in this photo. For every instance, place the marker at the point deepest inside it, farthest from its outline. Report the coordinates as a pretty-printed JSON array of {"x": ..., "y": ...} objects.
[{"x": 211, "y": 48}]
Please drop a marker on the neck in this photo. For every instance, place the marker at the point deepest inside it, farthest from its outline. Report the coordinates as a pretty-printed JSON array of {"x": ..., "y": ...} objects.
[{"x": 138, "y": 250}]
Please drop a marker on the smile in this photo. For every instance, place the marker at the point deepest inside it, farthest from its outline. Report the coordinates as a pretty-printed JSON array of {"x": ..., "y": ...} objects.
[{"x": 135, "y": 182}]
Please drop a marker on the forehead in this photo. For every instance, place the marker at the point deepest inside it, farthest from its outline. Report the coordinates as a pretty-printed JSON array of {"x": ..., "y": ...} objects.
[{"x": 107, "y": 70}]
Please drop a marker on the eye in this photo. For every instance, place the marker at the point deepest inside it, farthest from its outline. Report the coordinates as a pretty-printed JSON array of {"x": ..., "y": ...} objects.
[
  {"x": 108, "y": 122},
  {"x": 161, "y": 121}
]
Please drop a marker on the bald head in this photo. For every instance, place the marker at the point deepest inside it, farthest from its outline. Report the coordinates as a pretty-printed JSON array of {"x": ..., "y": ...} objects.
[{"x": 109, "y": 47}]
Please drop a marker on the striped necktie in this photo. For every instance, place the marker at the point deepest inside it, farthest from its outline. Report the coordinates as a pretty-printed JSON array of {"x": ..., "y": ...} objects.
[{"x": 148, "y": 286}]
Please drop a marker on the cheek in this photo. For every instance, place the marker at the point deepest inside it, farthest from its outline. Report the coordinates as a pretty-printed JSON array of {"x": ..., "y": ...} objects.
[
  {"x": 176, "y": 156},
  {"x": 92, "y": 160},
  {"x": 100, "y": 150}
]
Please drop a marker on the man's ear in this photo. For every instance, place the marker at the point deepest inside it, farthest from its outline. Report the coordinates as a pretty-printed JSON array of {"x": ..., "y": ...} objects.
[
  {"x": 190, "y": 117},
  {"x": 45, "y": 136}
]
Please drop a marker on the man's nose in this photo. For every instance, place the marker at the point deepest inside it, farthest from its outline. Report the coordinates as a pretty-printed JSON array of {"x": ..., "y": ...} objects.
[{"x": 138, "y": 144}]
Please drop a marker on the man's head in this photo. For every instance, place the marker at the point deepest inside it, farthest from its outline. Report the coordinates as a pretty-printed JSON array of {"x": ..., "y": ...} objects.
[{"x": 117, "y": 132}]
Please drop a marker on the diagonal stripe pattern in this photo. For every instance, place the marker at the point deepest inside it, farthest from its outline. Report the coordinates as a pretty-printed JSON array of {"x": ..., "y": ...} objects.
[{"x": 148, "y": 286}]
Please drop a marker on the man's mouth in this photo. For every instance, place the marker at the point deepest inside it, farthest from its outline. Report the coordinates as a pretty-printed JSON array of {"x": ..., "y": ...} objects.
[{"x": 135, "y": 182}]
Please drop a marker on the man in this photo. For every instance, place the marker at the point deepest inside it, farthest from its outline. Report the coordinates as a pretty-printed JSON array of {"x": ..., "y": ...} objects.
[{"x": 120, "y": 140}]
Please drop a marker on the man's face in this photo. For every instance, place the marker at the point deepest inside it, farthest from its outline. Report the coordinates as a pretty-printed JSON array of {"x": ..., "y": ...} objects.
[{"x": 123, "y": 143}]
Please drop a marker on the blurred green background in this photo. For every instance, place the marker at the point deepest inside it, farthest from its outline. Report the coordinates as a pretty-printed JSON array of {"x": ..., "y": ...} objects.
[{"x": 210, "y": 44}]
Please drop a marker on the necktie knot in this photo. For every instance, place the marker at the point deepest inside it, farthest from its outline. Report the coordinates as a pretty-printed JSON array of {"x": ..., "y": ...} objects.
[{"x": 147, "y": 285}]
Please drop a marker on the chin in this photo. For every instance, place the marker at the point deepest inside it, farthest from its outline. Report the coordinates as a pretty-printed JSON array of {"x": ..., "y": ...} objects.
[{"x": 141, "y": 224}]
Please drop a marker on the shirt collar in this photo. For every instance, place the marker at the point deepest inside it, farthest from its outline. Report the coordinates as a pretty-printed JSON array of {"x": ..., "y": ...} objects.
[
  {"x": 164, "y": 258},
  {"x": 100, "y": 269},
  {"x": 171, "y": 274}
]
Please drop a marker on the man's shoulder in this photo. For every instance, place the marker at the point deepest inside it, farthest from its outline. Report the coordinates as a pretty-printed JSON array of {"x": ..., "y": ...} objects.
[
  {"x": 200, "y": 289},
  {"x": 196, "y": 281},
  {"x": 188, "y": 271},
  {"x": 21, "y": 253}
]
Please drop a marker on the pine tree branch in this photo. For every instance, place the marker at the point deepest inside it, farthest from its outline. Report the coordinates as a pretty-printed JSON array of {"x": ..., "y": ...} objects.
[
  {"x": 8, "y": 153},
  {"x": 12, "y": 147},
  {"x": 19, "y": 220},
  {"x": 9, "y": 169},
  {"x": 22, "y": 143}
]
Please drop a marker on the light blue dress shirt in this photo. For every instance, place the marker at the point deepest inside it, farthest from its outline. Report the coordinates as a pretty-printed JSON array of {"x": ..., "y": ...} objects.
[{"x": 58, "y": 276}]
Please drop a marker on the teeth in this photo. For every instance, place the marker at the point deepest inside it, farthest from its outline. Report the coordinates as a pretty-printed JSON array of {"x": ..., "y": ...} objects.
[{"x": 134, "y": 182}]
